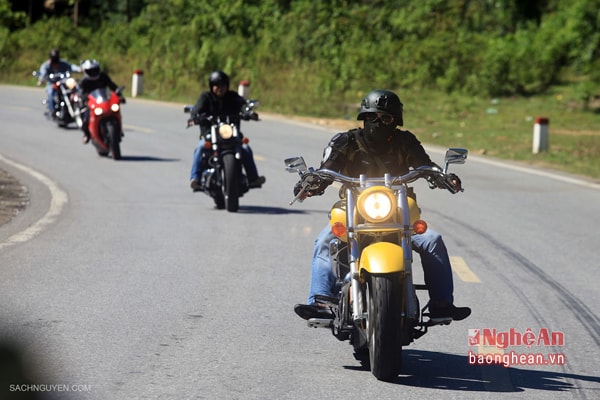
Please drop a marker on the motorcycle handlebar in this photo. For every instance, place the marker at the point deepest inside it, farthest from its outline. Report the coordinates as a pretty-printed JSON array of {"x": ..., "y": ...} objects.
[{"x": 421, "y": 172}]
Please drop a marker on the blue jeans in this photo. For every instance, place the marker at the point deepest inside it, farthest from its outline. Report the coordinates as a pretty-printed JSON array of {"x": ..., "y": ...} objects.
[
  {"x": 434, "y": 258},
  {"x": 50, "y": 99},
  {"x": 200, "y": 153}
]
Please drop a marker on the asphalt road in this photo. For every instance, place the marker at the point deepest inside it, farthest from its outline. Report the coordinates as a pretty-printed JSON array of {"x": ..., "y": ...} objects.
[{"x": 118, "y": 282}]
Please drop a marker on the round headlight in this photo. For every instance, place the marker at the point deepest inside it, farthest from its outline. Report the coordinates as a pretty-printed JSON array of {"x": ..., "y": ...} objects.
[
  {"x": 115, "y": 108},
  {"x": 98, "y": 111},
  {"x": 377, "y": 204},
  {"x": 71, "y": 83},
  {"x": 225, "y": 131}
]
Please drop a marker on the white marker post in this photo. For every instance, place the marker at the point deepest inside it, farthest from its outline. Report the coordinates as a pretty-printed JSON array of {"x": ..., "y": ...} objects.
[
  {"x": 244, "y": 89},
  {"x": 540, "y": 135},
  {"x": 137, "y": 83}
]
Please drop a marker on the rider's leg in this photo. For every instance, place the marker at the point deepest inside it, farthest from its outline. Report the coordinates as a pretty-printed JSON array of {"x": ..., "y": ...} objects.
[
  {"x": 50, "y": 99},
  {"x": 322, "y": 280},
  {"x": 196, "y": 171},
  {"x": 250, "y": 167},
  {"x": 438, "y": 275}
]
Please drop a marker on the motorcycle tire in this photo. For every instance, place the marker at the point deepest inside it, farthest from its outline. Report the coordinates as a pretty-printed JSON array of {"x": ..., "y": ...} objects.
[
  {"x": 231, "y": 186},
  {"x": 217, "y": 194},
  {"x": 384, "y": 325},
  {"x": 113, "y": 136}
]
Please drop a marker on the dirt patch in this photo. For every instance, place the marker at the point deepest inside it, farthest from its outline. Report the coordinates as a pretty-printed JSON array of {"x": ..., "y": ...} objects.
[{"x": 14, "y": 197}]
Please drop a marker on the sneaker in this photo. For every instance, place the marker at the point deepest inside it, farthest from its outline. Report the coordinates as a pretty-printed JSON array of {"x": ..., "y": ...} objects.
[
  {"x": 258, "y": 182},
  {"x": 451, "y": 311},
  {"x": 308, "y": 311},
  {"x": 195, "y": 185}
]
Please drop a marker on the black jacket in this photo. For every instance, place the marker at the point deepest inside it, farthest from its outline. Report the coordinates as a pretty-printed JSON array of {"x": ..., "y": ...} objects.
[
  {"x": 87, "y": 85},
  {"x": 209, "y": 104},
  {"x": 349, "y": 154}
]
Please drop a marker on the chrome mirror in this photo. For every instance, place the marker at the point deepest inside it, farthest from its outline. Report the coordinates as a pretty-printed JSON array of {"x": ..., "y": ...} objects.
[{"x": 296, "y": 164}]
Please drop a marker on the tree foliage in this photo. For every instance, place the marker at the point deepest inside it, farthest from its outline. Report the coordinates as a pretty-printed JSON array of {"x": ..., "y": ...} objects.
[{"x": 328, "y": 52}]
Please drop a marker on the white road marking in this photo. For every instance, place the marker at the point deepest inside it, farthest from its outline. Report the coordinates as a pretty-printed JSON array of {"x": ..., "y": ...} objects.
[{"x": 58, "y": 200}]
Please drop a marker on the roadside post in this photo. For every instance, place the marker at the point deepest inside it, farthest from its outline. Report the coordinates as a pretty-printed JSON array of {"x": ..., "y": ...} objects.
[
  {"x": 137, "y": 83},
  {"x": 244, "y": 89},
  {"x": 540, "y": 135}
]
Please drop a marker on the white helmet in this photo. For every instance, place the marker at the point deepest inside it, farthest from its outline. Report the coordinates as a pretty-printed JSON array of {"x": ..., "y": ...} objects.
[{"x": 91, "y": 69}]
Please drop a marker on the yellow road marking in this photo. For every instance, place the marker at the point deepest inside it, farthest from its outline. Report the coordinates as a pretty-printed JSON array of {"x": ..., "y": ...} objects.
[
  {"x": 463, "y": 271},
  {"x": 139, "y": 128}
]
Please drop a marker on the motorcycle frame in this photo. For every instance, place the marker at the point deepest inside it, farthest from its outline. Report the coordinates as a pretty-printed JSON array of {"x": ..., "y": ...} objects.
[
  {"x": 66, "y": 98},
  {"x": 95, "y": 121},
  {"x": 355, "y": 252},
  {"x": 217, "y": 146},
  {"x": 411, "y": 309}
]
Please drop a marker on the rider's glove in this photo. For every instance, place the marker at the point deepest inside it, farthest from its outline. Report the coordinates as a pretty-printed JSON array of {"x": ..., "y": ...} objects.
[
  {"x": 451, "y": 182},
  {"x": 316, "y": 186},
  {"x": 297, "y": 188},
  {"x": 454, "y": 182},
  {"x": 436, "y": 182}
]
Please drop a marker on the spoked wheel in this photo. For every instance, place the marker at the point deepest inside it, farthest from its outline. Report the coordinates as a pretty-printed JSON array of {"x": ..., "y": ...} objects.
[
  {"x": 231, "y": 185},
  {"x": 384, "y": 325}
]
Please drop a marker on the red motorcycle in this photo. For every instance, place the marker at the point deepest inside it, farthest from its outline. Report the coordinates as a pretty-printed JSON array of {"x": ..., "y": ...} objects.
[{"x": 104, "y": 122}]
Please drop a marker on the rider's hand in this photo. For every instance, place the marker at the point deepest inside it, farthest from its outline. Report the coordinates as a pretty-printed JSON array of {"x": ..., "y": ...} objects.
[
  {"x": 316, "y": 186},
  {"x": 455, "y": 182},
  {"x": 191, "y": 122},
  {"x": 298, "y": 189}
]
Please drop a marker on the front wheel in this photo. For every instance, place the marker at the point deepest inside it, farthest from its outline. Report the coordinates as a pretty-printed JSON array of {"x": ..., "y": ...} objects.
[
  {"x": 231, "y": 184},
  {"x": 113, "y": 137},
  {"x": 384, "y": 325}
]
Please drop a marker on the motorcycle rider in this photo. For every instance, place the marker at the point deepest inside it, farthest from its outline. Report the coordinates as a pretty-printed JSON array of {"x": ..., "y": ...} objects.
[
  {"x": 375, "y": 149},
  {"x": 222, "y": 102},
  {"x": 94, "y": 78},
  {"x": 53, "y": 65}
]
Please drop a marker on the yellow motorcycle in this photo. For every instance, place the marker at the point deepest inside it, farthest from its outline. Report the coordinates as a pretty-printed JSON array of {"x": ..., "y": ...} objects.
[{"x": 377, "y": 307}]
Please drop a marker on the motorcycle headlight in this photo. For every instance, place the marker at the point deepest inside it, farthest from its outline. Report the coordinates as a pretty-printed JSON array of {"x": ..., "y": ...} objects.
[
  {"x": 98, "y": 111},
  {"x": 115, "y": 108},
  {"x": 71, "y": 83},
  {"x": 225, "y": 131},
  {"x": 377, "y": 204}
]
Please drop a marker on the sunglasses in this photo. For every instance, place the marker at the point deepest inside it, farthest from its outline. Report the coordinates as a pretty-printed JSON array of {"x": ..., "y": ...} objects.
[{"x": 387, "y": 119}]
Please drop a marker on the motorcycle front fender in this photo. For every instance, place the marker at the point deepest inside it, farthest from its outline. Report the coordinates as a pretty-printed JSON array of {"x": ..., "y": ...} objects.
[{"x": 382, "y": 258}]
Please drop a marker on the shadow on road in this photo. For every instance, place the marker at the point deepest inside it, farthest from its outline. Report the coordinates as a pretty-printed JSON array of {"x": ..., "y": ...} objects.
[
  {"x": 147, "y": 158},
  {"x": 451, "y": 372},
  {"x": 269, "y": 210}
]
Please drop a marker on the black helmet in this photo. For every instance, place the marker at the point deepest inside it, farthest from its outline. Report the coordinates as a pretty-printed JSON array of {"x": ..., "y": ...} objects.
[
  {"x": 382, "y": 101},
  {"x": 54, "y": 55},
  {"x": 218, "y": 78}
]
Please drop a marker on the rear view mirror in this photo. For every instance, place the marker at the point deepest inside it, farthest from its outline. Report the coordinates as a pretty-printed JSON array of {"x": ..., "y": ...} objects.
[
  {"x": 455, "y": 155},
  {"x": 295, "y": 164}
]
